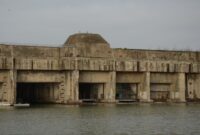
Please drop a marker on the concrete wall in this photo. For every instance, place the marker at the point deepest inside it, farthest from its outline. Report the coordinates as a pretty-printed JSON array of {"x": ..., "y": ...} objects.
[
  {"x": 35, "y": 52},
  {"x": 157, "y": 55},
  {"x": 193, "y": 87},
  {"x": 7, "y": 87},
  {"x": 39, "y": 76}
]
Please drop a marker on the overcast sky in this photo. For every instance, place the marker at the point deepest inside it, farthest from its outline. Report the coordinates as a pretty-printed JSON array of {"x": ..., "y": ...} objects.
[{"x": 145, "y": 24}]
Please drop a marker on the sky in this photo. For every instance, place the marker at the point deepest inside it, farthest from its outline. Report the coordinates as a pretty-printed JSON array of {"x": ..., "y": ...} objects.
[{"x": 134, "y": 24}]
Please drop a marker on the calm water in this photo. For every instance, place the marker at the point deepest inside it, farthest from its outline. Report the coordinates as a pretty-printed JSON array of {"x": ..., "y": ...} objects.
[{"x": 101, "y": 119}]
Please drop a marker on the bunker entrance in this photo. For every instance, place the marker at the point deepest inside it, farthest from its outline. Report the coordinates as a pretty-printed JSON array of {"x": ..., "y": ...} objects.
[
  {"x": 91, "y": 92},
  {"x": 126, "y": 92},
  {"x": 36, "y": 92},
  {"x": 159, "y": 92}
]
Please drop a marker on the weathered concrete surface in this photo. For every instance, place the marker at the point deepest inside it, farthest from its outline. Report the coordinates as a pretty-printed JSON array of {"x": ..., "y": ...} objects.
[
  {"x": 156, "y": 75},
  {"x": 193, "y": 87}
]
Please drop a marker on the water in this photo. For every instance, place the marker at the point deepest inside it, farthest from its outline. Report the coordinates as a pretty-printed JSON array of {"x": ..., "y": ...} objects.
[{"x": 109, "y": 119}]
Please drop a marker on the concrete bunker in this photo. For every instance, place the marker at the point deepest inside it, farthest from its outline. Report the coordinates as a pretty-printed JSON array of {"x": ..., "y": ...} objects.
[
  {"x": 160, "y": 92},
  {"x": 91, "y": 92},
  {"x": 126, "y": 92},
  {"x": 36, "y": 92},
  {"x": 86, "y": 61}
]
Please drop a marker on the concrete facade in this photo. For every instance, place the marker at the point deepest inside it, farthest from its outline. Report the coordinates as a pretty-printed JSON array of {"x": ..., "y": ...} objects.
[{"x": 85, "y": 68}]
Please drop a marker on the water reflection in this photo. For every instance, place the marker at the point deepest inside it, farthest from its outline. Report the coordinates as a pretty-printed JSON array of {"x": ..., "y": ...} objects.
[{"x": 108, "y": 119}]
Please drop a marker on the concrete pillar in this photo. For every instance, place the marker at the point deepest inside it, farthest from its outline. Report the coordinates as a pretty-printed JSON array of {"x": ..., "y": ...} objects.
[
  {"x": 181, "y": 87},
  {"x": 67, "y": 97},
  {"x": 71, "y": 86},
  {"x": 110, "y": 88},
  {"x": 13, "y": 81},
  {"x": 75, "y": 85},
  {"x": 144, "y": 93},
  {"x": 12, "y": 87},
  {"x": 190, "y": 86}
]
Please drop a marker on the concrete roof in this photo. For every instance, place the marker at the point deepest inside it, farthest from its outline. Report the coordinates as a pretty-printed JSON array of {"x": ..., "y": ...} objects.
[{"x": 87, "y": 38}]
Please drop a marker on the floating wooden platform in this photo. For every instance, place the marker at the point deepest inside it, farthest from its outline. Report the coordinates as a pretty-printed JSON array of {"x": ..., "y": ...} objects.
[
  {"x": 22, "y": 105},
  {"x": 89, "y": 100},
  {"x": 127, "y": 100},
  {"x": 4, "y": 104}
]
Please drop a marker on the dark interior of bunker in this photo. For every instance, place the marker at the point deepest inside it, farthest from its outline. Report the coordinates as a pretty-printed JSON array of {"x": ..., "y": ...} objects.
[
  {"x": 36, "y": 92},
  {"x": 91, "y": 92},
  {"x": 126, "y": 92}
]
